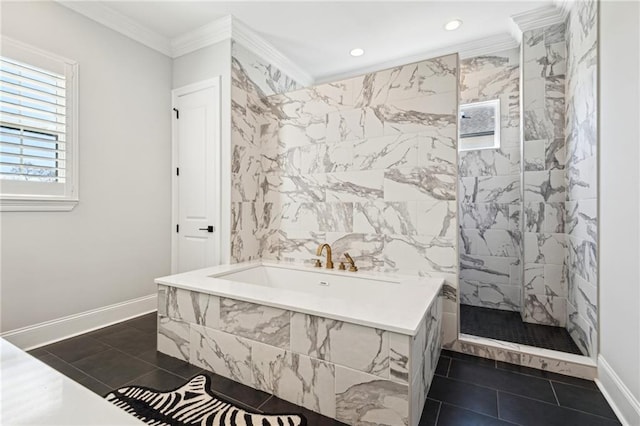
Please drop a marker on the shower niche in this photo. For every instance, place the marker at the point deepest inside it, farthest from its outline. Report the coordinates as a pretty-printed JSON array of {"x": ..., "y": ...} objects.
[{"x": 528, "y": 203}]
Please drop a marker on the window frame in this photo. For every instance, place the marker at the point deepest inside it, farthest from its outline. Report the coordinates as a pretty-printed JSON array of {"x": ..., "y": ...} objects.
[{"x": 15, "y": 196}]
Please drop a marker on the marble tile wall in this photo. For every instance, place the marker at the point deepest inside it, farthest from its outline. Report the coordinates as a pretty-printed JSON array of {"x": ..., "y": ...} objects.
[
  {"x": 369, "y": 165},
  {"x": 544, "y": 159},
  {"x": 489, "y": 189},
  {"x": 253, "y": 79},
  {"x": 356, "y": 374},
  {"x": 581, "y": 176}
]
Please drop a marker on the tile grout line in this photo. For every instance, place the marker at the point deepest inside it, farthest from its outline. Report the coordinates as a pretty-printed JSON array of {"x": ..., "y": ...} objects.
[
  {"x": 462, "y": 408},
  {"x": 551, "y": 381},
  {"x": 259, "y": 407},
  {"x": 76, "y": 368},
  {"x": 561, "y": 406},
  {"x": 463, "y": 380},
  {"x": 547, "y": 378},
  {"x": 554, "y": 393},
  {"x": 438, "y": 413},
  {"x": 515, "y": 394}
]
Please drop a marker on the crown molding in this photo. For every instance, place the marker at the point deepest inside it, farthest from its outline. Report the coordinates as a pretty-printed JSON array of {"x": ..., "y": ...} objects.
[
  {"x": 206, "y": 35},
  {"x": 242, "y": 34},
  {"x": 487, "y": 45},
  {"x": 110, "y": 18},
  {"x": 230, "y": 27},
  {"x": 219, "y": 30},
  {"x": 470, "y": 49},
  {"x": 565, "y": 6},
  {"x": 542, "y": 17}
]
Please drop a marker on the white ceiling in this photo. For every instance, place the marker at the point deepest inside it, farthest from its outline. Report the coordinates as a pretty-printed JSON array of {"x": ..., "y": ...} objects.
[{"x": 318, "y": 35}]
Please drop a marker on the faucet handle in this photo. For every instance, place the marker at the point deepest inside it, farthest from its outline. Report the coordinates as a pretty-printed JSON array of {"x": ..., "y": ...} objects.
[
  {"x": 353, "y": 267},
  {"x": 341, "y": 266},
  {"x": 318, "y": 263}
]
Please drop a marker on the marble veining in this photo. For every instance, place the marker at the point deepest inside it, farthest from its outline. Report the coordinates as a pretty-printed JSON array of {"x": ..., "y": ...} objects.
[
  {"x": 365, "y": 399},
  {"x": 355, "y": 161},
  {"x": 362, "y": 348},
  {"x": 581, "y": 177},
  {"x": 399, "y": 356},
  {"x": 190, "y": 306},
  {"x": 252, "y": 80},
  {"x": 173, "y": 338},
  {"x": 544, "y": 290},
  {"x": 222, "y": 353},
  {"x": 490, "y": 238},
  {"x": 297, "y": 378},
  {"x": 257, "y": 322}
]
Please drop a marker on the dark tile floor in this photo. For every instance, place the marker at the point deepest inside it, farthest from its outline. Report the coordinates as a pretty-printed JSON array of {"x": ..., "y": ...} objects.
[
  {"x": 465, "y": 391},
  {"x": 509, "y": 327}
]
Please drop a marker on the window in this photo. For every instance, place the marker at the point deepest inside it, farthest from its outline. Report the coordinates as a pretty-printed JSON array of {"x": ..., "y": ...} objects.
[
  {"x": 38, "y": 136},
  {"x": 480, "y": 125}
]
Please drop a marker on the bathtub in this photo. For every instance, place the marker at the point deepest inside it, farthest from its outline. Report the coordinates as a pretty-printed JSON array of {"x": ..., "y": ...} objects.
[{"x": 322, "y": 339}]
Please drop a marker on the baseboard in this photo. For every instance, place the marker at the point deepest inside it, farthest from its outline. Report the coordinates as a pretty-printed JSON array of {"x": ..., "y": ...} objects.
[
  {"x": 37, "y": 335},
  {"x": 618, "y": 395}
]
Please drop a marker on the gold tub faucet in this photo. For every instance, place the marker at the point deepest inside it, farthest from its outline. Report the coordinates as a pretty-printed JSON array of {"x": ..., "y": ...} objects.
[{"x": 319, "y": 253}]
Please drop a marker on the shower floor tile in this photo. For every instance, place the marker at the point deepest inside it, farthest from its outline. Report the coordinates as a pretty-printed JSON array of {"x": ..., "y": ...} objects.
[
  {"x": 509, "y": 327},
  {"x": 466, "y": 390}
]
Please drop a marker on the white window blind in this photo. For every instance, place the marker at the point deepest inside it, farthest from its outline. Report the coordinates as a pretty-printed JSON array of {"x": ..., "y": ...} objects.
[
  {"x": 32, "y": 131},
  {"x": 37, "y": 130}
]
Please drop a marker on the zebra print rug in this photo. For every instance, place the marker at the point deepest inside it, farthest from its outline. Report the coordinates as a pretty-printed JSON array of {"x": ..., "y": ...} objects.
[{"x": 192, "y": 404}]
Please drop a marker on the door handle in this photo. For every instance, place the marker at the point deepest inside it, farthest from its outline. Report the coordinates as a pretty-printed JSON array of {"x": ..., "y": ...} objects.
[{"x": 209, "y": 228}]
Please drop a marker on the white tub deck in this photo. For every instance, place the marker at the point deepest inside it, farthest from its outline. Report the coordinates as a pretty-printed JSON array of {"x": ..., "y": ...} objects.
[{"x": 390, "y": 302}]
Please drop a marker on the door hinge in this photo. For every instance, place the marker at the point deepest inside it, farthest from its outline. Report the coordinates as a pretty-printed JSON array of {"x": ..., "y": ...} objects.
[
  {"x": 177, "y": 113},
  {"x": 177, "y": 228},
  {"x": 177, "y": 171}
]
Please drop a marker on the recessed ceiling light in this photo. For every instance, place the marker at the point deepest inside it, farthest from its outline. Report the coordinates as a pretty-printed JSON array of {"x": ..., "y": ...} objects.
[
  {"x": 453, "y": 25},
  {"x": 357, "y": 52}
]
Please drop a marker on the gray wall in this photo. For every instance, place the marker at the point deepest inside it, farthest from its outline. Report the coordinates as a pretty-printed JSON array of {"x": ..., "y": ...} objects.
[
  {"x": 116, "y": 241},
  {"x": 619, "y": 68}
]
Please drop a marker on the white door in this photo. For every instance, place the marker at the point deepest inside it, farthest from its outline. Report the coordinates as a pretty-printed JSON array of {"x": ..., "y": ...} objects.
[{"x": 196, "y": 134}]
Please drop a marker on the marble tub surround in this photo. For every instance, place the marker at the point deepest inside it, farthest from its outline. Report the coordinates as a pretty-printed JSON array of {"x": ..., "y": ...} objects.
[
  {"x": 544, "y": 154},
  {"x": 489, "y": 202},
  {"x": 281, "y": 286},
  {"x": 352, "y": 372}
]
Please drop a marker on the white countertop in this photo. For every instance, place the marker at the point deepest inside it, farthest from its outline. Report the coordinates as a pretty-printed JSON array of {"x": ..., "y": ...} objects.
[
  {"x": 32, "y": 393},
  {"x": 399, "y": 308}
]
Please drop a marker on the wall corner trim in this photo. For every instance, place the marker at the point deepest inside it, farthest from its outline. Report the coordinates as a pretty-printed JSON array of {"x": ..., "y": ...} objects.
[
  {"x": 617, "y": 394},
  {"x": 37, "y": 335},
  {"x": 541, "y": 17}
]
